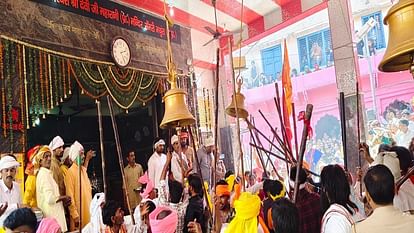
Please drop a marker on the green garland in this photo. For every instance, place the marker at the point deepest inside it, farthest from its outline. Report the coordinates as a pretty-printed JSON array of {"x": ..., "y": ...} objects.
[{"x": 126, "y": 86}]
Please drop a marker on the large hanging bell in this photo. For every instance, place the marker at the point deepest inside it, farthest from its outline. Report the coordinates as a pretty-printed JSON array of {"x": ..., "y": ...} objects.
[
  {"x": 400, "y": 50},
  {"x": 176, "y": 112},
  {"x": 237, "y": 101}
]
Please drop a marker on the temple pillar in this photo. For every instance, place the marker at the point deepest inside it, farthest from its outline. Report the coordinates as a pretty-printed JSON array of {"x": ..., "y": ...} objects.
[{"x": 347, "y": 74}]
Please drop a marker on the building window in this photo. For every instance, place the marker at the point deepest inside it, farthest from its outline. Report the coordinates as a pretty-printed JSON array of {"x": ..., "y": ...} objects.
[
  {"x": 315, "y": 51},
  {"x": 272, "y": 65},
  {"x": 376, "y": 35}
]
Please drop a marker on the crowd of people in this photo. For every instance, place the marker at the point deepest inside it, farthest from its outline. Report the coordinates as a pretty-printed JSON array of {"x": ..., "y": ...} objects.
[{"x": 180, "y": 192}]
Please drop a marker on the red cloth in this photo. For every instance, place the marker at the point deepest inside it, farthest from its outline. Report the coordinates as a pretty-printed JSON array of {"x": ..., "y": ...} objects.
[
  {"x": 287, "y": 96},
  {"x": 309, "y": 212}
]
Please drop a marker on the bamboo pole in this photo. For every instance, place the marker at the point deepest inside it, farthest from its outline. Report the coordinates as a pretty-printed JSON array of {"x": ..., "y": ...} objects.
[
  {"x": 264, "y": 136},
  {"x": 101, "y": 144},
  {"x": 80, "y": 194},
  {"x": 281, "y": 158},
  {"x": 282, "y": 123},
  {"x": 237, "y": 113},
  {"x": 295, "y": 134},
  {"x": 359, "y": 134},
  {"x": 308, "y": 115},
  {"x": 119, "y": 152}
]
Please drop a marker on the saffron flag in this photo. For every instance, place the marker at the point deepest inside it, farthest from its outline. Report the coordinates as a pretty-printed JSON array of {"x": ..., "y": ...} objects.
[{"x": 287, "y": 94}]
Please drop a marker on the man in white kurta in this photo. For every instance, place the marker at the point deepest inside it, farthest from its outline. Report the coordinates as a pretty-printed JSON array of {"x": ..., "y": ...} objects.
[
  {"x": 47, "y": 190},
  {"x": 179, "y": 164},
  {"x": 9, "y": 190},
  {"x": 156, "y": 162}
]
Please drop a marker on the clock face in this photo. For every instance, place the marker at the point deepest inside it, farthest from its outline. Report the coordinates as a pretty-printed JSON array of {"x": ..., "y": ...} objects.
[{"x": 121, "y": 52}]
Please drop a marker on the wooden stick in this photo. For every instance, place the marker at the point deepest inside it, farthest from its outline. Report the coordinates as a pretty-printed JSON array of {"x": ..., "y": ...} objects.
[
  {"x": 343, "y": 127},
  {"x": 308, "y": 115},
  {"x": 199, "y": 168},
  {"x": 403, "y": 179},
  {"x": 119, "y": 152},
  {"x": 259, "y": 151},
  {"x": 80, "y": 195},
  {"x": 359, "y": 134},
  {"x": 295, "y": 134},
  {"x": 216, "y": 108},
  {"x": 282, "y": 123},
  {"x": 281, "y": 158},
  {"x": 261, "y": 134},
  {"x": 281, "y": 143},
  {"x": 101, "y": 144},
  {"x": 237, "y": 112},
  {"x": 254, "y": 141}
]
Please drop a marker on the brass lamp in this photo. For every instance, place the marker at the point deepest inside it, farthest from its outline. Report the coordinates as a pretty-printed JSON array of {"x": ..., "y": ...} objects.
[{"x": 399, "y": 54}]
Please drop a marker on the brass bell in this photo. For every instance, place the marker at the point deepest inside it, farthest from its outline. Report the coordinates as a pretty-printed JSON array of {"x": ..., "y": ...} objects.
[
  {"x": 176, "y": 112},
  {"x": 400, "y": 50},
  {"x": 239, "y": 99}
]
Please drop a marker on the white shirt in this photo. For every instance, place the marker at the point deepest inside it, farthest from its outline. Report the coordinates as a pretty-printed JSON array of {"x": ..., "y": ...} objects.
[
  {"x": 10, "y": 196},
  {"x": 155, "y": 166},
  {"x": 404, "y": 199},
  {"x": 337, "y": 220},
  {"x": 47, "y": 193},
  {"x": 176, "y": 168}
]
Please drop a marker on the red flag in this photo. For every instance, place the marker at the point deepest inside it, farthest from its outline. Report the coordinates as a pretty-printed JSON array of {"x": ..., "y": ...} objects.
[{"x": 287, "y": 94}]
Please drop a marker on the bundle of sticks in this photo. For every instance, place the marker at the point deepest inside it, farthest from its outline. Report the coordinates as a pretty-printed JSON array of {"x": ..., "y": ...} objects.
[{"x": 283, "y": 143}]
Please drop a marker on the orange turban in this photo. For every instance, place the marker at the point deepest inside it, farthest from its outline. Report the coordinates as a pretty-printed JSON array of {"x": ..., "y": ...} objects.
[
  {"x": 30, "y": 155},
  {"x": 222, "y": 190}
]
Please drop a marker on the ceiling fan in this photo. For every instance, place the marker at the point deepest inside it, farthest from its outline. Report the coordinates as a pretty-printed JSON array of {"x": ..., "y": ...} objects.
[{"x": 216, "y": 34}]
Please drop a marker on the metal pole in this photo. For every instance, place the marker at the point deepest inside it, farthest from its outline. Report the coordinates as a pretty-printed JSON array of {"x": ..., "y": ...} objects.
[
  {"x": 343, "y": 127},
  {"x": 101, "y": 143},
  {"x": 371, "y": 77}
]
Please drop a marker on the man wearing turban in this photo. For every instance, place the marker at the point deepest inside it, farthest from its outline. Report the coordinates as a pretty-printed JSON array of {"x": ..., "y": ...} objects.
[
  {"x": 47, "y": 191},
  {"x": 73, "y": 183},
  {"x": 157, "y": 162},
  {"x": 10, "y": 197},
  {"x": 247, "y": 209},
  {"x": 224, "y": 212},
  {"x": 29, "y": 197},
  {"x": 179, "y": 164},
  {"x": 163, "y": 220},
  {"x": 56, "y": 146}
]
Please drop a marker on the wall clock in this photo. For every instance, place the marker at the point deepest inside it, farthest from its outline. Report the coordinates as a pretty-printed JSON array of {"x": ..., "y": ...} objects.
[{"x": 121, "y": 52}]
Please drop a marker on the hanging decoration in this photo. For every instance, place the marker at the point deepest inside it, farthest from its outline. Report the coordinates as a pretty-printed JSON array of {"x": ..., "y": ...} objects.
[{"x": 43, "y": 78}]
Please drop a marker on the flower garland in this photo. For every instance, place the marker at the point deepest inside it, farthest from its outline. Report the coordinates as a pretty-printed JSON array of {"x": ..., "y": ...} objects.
[
  {"x": 41, "y": 82},
  {"x": 26, "y": 104},
  {"x": 22, "y": 103},
  {"x": 45, "y": 78},
  {"x": 3, "y": 92}
]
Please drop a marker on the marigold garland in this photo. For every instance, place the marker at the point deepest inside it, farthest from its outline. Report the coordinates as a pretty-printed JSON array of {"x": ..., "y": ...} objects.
[{"x": 3, "y": 92}]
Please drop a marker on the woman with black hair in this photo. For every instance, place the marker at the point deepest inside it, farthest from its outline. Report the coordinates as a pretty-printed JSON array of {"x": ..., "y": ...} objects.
[{"x": 337, "y": 208}]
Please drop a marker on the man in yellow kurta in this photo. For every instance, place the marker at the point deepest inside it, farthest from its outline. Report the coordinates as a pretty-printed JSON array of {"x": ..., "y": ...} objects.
[
  {"x": 133, "y": 171},
  {"x": 66, "y": 162},
  {"x": 73, "y": 184},
  {"x": 47, "y": 191},
  {"x": 56, "y": 146},
  {"x": 29, "y": 197}
]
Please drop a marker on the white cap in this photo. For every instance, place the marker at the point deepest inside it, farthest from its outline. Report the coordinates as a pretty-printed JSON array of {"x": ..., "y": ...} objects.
[
  {"x": 174, "y": 139},
  {"x": 209, "y": 141},
  {"x": 8, "y": 162},
  {"x": 159, "y": 142},
  {"x": 75, "y": 150},
  {"x": 56, "y": 143}
]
